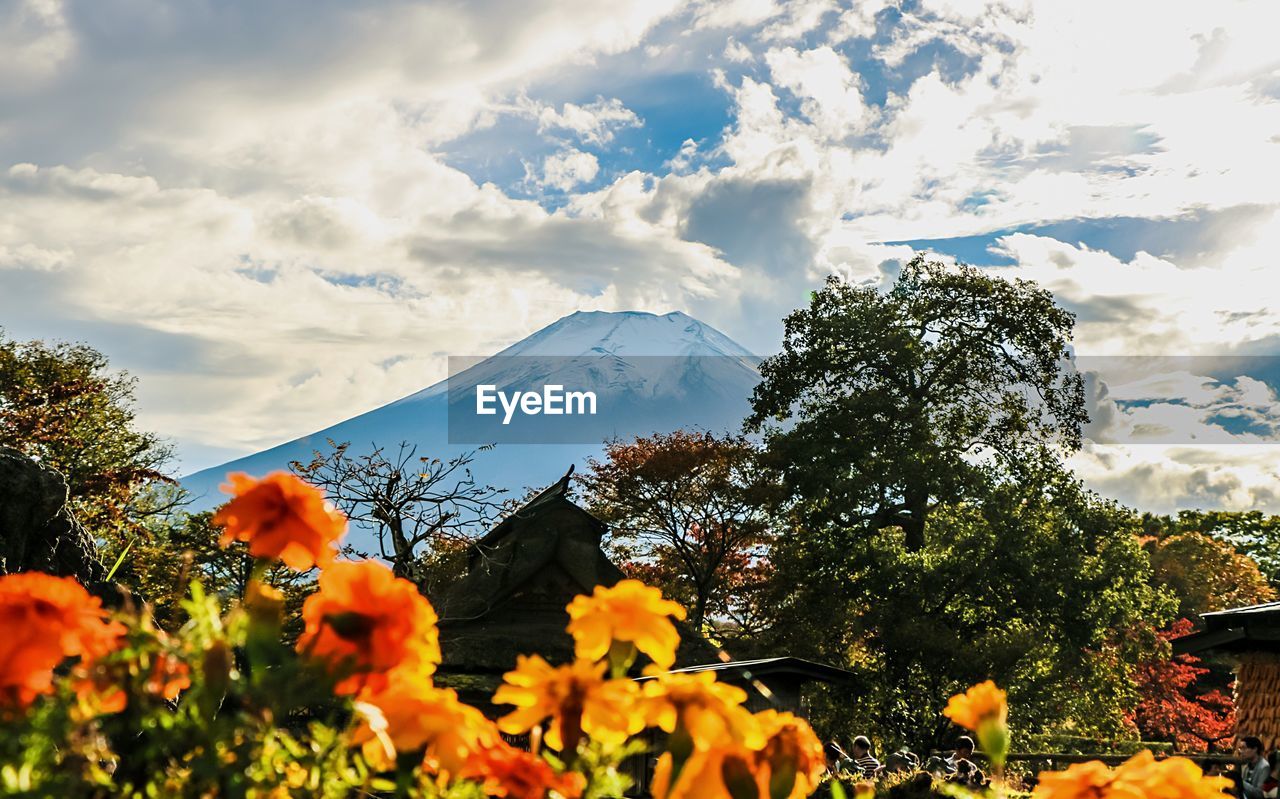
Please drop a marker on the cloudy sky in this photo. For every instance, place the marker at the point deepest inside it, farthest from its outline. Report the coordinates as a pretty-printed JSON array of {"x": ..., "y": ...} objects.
[{"x": 280, "y": 214}]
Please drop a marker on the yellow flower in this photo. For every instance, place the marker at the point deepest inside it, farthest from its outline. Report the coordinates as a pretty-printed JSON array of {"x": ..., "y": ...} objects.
[
  {"x": 792, "y": 756},
  {"x": 1139, "y": 777},
  {"x": 1171, "y": 778},
  {"x": 707, "y": 711},
  {"x": 981, "y": 703},
  {"x": 985, "y": 710},
  {"x": 704, "y": 775},
  {"x": 577, "y": 699},
  {"x": 629, "y": 611},
  {"x": 784, "y": 761}
]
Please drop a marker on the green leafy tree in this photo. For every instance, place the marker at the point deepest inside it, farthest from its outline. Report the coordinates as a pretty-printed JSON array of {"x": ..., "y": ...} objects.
[
  {"x": 1203, "y": 573},
  {"x": 186, "y": 546},
  {"x": 883, "y": 405},
  {"x": 1043, "y": 588},
  {"x": 936, "y": 538}
]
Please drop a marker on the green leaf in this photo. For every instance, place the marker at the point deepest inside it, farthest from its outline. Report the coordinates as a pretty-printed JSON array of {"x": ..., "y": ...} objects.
[{"x": 120, "y": 559}]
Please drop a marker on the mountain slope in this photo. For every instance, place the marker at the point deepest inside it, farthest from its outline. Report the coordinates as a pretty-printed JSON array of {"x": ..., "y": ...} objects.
[{"x": 653, "y": 374}]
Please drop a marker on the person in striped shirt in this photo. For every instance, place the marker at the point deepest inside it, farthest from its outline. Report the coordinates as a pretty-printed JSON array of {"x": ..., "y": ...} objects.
[{"x": 862, "y": 757}]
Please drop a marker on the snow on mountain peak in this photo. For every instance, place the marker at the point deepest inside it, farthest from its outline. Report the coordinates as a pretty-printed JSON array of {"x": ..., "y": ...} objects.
[
  {"x": 700, "y": 379},
  {"x": 627, "y": 333}
]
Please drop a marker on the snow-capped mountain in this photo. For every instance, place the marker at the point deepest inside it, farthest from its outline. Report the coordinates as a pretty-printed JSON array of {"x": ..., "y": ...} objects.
[{"x": 650, "y": 374}]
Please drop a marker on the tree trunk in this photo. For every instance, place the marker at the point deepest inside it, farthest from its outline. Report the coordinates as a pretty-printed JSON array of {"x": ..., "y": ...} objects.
[
  {"x": 698, "y": 613},
  {"x": 915, "y": 516},
  {"x": 401, "y": 564}
]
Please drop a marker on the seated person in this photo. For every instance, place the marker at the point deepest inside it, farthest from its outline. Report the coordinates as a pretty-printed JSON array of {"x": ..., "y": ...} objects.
[
  {"x": 963, "y": 750},
  {"x": 862, "y": 756},
  {"x": 838, "y": 761}
]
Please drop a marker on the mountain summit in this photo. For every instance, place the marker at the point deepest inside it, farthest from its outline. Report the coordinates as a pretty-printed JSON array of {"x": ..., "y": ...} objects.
[{"x": 650, "y": 373}]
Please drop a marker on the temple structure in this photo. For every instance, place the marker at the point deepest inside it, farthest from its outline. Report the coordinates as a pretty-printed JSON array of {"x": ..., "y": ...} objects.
[{"x": 520, "y": 578}]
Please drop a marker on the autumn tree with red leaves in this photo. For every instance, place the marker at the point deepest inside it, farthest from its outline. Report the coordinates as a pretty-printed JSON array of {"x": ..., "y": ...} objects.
[
  {"x": 686, "y": 514},
  {"x": 1175, "y": 705}
]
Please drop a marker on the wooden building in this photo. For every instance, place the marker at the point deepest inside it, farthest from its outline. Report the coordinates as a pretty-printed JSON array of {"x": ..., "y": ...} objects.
[
  {"x": 1251, "y": 637},
  {"x": 520, "y": 578}
]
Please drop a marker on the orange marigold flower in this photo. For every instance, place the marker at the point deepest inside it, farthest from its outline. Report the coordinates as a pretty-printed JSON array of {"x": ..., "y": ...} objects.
[
  {"x": 364, "y": 621},
  {"x": 984, "y": 709},
  {"x": 629, "y": 611},
  {"x": 43, "y": 621},
  {"x": 98, "y": 693},
  {"x": 511, "y": 773},
  {"x": 576, "y": 697},
  {"x": 169, "y": 677},
  {"x": 706, "y": 711},
  {"x": 282, "y": 518},
  {"x": 409, "y": 714},
  {"x": 982, "y": 703}
]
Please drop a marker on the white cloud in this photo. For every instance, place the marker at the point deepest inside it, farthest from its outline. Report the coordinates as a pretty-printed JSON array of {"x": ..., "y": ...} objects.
[
  {"x": 1165, "y": 479},
  {"x": 594, "y": 123},
  {"x": 859, "y": 21},
  {"x": 800, "y": 17},
  {"x": 734, "y": 13},
  {"x": 684, "y": 158},
  {"x": 35, "y": 42},
  {"x": 565, "y": 170},
  {"x": 827, "y": 88}
]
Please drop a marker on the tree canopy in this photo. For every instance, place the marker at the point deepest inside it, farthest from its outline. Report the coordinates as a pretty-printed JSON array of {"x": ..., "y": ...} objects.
[
  {"x": 883, "y": 405},
  {"x": 62, "y": 404},
  {"x": 688, "y": 513},
  {"x": 934, "y": 536}
]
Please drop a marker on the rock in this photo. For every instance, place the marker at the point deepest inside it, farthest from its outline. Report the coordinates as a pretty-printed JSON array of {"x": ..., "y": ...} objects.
[{"x": 37, "y": 530}]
